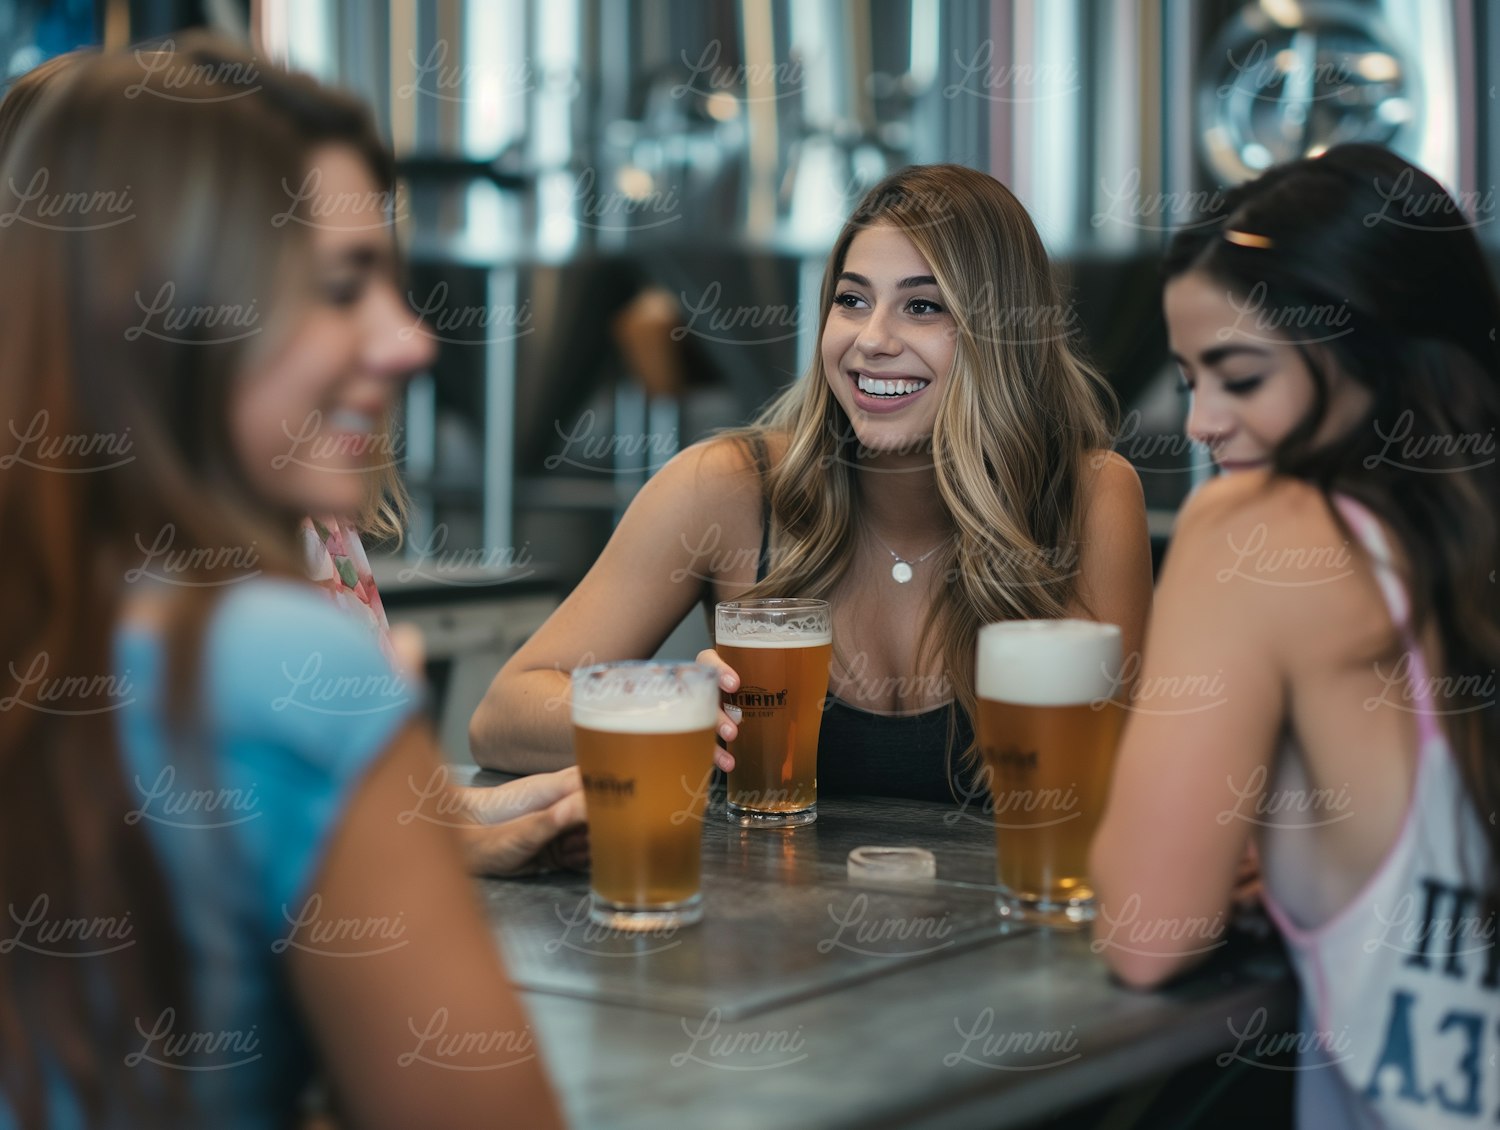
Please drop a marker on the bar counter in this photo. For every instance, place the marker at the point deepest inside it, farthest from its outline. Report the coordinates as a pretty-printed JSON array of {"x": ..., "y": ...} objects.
[{"x": 806, "y": 1000}]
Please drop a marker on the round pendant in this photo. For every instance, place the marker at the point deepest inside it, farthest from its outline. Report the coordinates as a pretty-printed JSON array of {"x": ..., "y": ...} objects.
[{"x": 901, "y": 572}]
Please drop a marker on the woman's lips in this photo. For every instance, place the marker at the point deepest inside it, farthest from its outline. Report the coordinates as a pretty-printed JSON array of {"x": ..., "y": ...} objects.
[{"x": 881, "y": 405}]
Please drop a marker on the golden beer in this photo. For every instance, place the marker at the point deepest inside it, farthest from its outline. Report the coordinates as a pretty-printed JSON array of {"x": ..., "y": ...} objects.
[
  {"x": 781, "y": 650},
  {"x": 1047, "y": 731},
  {"x": 781, "y": 711},
  {"x": 644, "y": 738},
  {"x": 644, "y": 823}
]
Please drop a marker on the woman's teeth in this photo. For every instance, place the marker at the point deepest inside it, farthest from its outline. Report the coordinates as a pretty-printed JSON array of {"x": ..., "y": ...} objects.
[
  {"x": 348, "y": 420},
  {"x": 888, "y": 388}
]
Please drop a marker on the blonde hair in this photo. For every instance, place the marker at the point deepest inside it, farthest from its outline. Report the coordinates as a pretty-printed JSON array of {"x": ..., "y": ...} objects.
[
  {"x": 1019, "y": 416},
  {"x": 387, "y": 504}
]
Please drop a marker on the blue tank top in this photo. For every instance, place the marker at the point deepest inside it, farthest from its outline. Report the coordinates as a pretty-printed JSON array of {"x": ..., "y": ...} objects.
[
  {"x": 298, "y": 705},
  {"x": 862, "y": 753}
]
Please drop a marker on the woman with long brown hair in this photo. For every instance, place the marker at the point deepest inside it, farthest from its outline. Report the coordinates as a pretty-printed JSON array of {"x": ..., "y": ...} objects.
[
  {"x": 943, "y": 463},
  {"x": 508, "y": 818},
  {"x": 208, "y": 842},
  {"x": 1320, "y": 675}
]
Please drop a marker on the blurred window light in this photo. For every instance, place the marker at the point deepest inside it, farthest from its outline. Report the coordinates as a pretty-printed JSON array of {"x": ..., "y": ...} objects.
[
  {"x": 635, "y": 183},
  {"x": 813, "y": 31},
  {"x": 1287, "y": 13},
  {"x": 925, "y": 55},
  {"x": 556, "y": 201},
  {"x": 1377, "y": 66},
  {"x": 1397, "y": 111},
  {"x": 556, "y": 83},
  {"x": 722, "y": 106},
  {"x": 297, "y": 34},
  {"x": 500, "y": 77},
  {"x": 1425, "y": 33},
  {"x": 1046, "y": 89}
]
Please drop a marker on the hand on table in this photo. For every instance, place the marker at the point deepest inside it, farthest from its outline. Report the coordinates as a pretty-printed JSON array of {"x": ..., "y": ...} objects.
[
  {"x": 532, "y": 824},
  {"x": 729, "y": 716}
]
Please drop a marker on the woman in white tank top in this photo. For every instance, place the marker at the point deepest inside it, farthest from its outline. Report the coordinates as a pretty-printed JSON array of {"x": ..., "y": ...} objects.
[{"x": 1319, "y": 679}]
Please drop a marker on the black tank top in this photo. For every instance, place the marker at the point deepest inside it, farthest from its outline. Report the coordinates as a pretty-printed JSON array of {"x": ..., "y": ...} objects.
[{"x": 867, "y": 754}]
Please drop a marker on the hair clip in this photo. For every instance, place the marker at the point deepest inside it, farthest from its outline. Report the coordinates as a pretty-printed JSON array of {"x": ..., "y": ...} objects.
[{"x": 1247, "y": 239}]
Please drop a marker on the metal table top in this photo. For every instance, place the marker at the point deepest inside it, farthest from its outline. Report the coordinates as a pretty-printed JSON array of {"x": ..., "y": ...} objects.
[{"x": 806, "y": 1000}]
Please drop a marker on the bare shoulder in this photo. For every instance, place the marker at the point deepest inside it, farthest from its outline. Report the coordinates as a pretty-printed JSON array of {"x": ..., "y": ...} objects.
[
  {"x": 707, "y": 479},
  {"x": 1111, "y": 480},
  {"x": 1114, "y": 561},
  {"x": 715, "y": 468},
  {"x": 1271, "y": 548},
  {"x": 1264, "y": 510},
  {"x": 707, "y": 500},
  {"x": 717, "y": 476}
]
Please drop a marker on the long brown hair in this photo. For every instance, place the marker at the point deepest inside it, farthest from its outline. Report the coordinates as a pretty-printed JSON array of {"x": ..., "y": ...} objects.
[
  {"x": 1372, "y": 263},
  {"x": 21, "y": 94},
  {"x": 1019, "y": 421},
  {"x": 137, "y": 179},
  {"x": 318, "y": 115}
]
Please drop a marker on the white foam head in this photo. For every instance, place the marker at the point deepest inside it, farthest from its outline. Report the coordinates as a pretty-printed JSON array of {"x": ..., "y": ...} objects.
[
  {"x": 742, "y": 634},
  {"x": 773, "y": 623},
  {"x": 646, "y": 698},
  {"x": 1048, "y": 662}
]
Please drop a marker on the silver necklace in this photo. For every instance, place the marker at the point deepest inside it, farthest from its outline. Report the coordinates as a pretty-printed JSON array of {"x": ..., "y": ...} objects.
[{"x": 901, "y": 571}]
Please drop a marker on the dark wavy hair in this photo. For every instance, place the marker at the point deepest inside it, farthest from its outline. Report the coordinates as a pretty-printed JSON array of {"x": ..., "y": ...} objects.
[{"x": 1363, "y": 232}]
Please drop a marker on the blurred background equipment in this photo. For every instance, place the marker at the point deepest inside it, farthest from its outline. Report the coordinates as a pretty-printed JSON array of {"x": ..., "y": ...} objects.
[{"x": 617, "y": 211}]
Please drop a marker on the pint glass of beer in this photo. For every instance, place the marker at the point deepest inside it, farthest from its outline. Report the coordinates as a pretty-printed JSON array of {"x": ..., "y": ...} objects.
[
  {"x": 780, "y": 649},
  {"x": 644, "y": 736},
  {"x": 1047, "y": 730}
]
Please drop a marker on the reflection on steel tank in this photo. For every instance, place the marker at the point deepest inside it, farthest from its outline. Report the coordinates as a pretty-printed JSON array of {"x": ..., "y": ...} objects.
[{"x": 618, "y": 210}]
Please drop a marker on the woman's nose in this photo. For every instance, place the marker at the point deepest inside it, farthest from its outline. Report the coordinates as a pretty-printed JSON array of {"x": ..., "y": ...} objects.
[
  {"x": 878, "y": 335},
  {"x": 398, "y": 343},
  {"x": 1207, "y": 422}
]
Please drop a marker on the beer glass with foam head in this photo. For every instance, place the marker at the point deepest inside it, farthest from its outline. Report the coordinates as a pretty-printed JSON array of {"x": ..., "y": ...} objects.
[
  {"x": 644, "y": 736},
  {"x": 1047, "y": 729},
  {"x": 780, "y": 649}
]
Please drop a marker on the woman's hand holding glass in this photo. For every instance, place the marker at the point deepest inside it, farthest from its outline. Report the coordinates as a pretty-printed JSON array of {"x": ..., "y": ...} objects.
[{"x": 728, "y": 728}]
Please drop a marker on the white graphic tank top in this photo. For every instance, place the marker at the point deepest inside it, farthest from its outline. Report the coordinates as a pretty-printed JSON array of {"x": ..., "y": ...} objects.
[{"x": 1400, "y": 988}]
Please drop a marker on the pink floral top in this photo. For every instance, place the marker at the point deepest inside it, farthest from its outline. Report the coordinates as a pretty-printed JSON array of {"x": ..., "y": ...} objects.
[{"x": 336, "y": 560}]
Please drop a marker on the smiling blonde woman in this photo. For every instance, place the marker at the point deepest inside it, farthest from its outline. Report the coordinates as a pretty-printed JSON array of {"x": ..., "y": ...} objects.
[{"x": 942, "y": 464}]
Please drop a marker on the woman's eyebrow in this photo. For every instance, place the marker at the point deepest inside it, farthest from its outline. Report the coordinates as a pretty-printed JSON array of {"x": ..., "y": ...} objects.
[
  {"x": 1212, "y": 357},
  {"x": 904, "y": 284},
  {"x": 362, "y": 256}
]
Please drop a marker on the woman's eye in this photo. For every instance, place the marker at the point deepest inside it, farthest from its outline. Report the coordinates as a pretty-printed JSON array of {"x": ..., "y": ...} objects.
[
  {"x": 924, "y": 306},
  {"x": 343, "y": 292},
  {"x": 1242, "y": 387}
]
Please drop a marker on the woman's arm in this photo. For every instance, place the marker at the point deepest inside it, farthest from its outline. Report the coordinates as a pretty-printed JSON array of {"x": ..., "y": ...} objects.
[
  {"x": 696, "y": 519},
  {"x": 418, "y": 1027},
  {"x": 1114, "y": 562},
  {"x": 1204, "y": 719}
]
